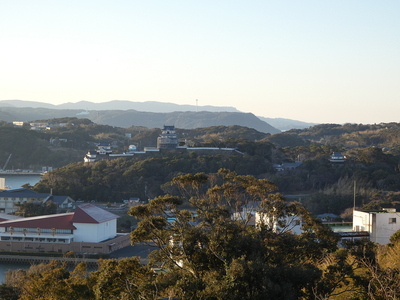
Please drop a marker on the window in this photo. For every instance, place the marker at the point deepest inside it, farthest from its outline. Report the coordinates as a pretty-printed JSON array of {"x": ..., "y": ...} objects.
[{"x": 392, "y": 220}]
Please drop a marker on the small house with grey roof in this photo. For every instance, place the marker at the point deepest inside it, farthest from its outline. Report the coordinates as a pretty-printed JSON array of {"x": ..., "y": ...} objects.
[{"x": 8, "y": 199}]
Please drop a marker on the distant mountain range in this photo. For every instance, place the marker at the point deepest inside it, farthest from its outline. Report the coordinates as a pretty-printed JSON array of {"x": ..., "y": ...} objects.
[
  {"x": 150, "y": 106},
  {"x": 286, "y": 124},
  {"x": 150, "y": 114}
]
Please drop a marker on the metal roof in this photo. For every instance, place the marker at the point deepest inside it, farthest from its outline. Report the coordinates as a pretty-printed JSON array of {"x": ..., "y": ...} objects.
[
  {"x": 58, "y": 221},
  {"x": 89, "y": 213}
]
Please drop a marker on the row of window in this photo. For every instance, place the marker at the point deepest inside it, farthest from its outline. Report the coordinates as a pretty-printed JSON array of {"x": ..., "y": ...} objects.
[
  {"x": 38, "y": 240},
  {"x": 19, "y": 199},
  {"x": 39, "y": 230}
]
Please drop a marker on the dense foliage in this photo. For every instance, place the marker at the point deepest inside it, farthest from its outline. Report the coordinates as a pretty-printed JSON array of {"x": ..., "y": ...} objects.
[
  {"x": 118, "y": 179},
  {"x": 375, "y": 170},
  {"x": 203, "y": 253}
]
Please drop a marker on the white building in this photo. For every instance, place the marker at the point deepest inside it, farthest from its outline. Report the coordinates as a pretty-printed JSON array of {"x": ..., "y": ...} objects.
[
  {"x": 380, "y": 225},
  {"x": 9, "y": 199},
  {"x": 88, "y": 229},
  {"x": 337, "y": 157},
  {"x": 168, "y": 138},
  {"x": 93, "y": 224},
  {"x": 288, "y": 223}
]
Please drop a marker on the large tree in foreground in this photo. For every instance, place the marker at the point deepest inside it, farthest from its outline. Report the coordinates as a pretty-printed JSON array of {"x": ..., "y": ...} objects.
[{"x": 207, "y": 254}]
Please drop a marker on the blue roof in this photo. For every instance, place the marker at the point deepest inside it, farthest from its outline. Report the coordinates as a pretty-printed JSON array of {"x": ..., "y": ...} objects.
[
  {"x": 23, "y": 193},
  {"x": 27, "y": 193}
]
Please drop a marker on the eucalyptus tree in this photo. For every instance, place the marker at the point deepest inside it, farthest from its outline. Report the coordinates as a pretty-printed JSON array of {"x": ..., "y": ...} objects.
[{"x": 209, "y": 254}]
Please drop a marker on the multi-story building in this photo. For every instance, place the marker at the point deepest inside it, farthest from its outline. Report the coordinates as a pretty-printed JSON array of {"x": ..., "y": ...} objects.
[
  {"x": 168, "y": 138},
  {"x": 9, "y": 199},
  {"x": 380, "y": 225},
  {"x": 89, "y": 229}
]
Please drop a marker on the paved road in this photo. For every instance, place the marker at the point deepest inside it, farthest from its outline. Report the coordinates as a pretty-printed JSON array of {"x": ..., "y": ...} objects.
[{"x": 140, "y": 250}]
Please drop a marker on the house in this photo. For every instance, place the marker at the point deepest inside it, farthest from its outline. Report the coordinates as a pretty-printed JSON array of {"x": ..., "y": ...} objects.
[
  {"x": 38, "y": 125},
  {"x": 18, "y": 123},
  {"x": 327, "y": 217},
  {"x": 91, "y": 156},
  {"x": 63, "y": 202},
  {"x": 380, "y": 224},
  {"x": 286, "y": 166},
  {"x": 89, "y": 229},
  {"x": 104, "y": 148},
  {"x": 8, "y": 199}
]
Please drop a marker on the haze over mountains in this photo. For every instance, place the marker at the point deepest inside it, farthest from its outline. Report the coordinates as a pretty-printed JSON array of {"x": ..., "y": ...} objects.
[{"x": 150, "y": 114}]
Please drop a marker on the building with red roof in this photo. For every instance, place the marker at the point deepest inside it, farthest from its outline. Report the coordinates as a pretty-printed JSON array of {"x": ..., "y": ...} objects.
[{"x": 88, "y": 229}]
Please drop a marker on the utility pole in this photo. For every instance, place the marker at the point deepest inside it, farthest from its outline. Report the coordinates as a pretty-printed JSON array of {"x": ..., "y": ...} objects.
[{"x": 354, "y": 196}]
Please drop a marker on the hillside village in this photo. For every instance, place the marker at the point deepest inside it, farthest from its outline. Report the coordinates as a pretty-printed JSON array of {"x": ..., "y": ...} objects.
[
  {"x": 167, "y": 141},
  {"x": 87, "y": 203}
]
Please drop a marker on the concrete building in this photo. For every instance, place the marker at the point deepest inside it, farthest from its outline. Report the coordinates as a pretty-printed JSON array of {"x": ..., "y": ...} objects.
[
  {"x": 288, "y": 223},
  {"x": 168, "y": 138},
  {"x": 89, "y": 229},
  {"x": 380, "y": 225}
]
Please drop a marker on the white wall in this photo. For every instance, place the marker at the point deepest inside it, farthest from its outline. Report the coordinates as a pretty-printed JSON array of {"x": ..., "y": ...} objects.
[
  {"x": 95, "y": 233},
  {"x": 377, "y": 224},
  {"x": 291, "y": 223}
]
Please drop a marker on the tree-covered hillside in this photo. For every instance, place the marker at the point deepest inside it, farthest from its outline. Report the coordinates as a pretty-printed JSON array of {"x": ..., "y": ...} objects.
[
  {"x": 347, "y": 135},
  {"x": 60, "y": 145},
  {"x": 118, "y": 179},
  {"x": 372, "y": 152}
]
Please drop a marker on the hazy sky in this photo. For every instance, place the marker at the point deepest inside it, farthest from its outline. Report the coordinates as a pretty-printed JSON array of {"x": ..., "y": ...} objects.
[{"x": 317, "y": 61}]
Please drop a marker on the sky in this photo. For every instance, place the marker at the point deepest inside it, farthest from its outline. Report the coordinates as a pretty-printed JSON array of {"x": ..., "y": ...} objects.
[{"x": 315, "y": 61}]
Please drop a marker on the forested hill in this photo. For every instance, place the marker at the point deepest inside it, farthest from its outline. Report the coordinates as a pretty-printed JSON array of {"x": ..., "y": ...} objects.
[
  {"x": 348, "y": 135},
  {"x": 61, "y": 145},
  {"x": 372, "y": 151},
  {"x": 128, "y": 118}
]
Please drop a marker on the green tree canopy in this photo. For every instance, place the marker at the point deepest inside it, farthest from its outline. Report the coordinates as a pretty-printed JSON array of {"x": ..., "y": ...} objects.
[{"x": 210, "y": 255}]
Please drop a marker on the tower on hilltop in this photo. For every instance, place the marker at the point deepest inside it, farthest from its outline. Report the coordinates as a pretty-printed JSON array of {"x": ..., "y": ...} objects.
[{"x": 167, "y": 139}]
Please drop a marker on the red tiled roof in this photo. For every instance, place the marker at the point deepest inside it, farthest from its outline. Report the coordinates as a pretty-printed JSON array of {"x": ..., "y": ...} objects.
[
  {"x": 89, "y": 213},
  {"x": 59, "y": 221}
]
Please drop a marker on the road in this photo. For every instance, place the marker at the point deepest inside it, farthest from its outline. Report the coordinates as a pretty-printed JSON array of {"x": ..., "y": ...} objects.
[{"x": 140, "y": 250}]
